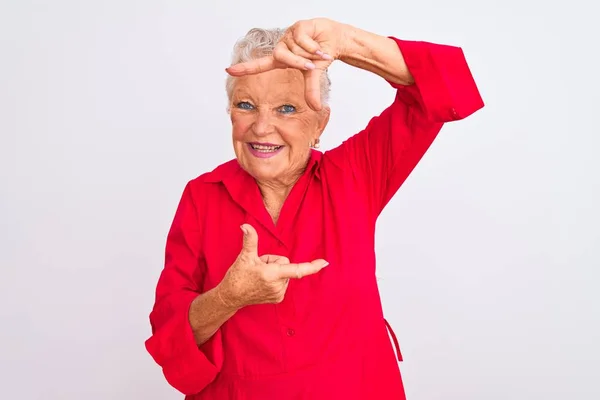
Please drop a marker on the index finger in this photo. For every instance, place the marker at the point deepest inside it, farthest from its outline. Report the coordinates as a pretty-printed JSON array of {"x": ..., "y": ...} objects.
[
  {"x": 301, "y": 270},
  {"x": 274, "y": 259},
  {"x": 259, "y": 65}
]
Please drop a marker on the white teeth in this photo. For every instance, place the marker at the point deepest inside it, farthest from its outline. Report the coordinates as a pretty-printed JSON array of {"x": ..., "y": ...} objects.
[{"x": 265, "y": 149}]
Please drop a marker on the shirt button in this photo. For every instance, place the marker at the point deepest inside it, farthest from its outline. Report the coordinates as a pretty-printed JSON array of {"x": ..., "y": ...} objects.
[{"x": 291, "y": 332}]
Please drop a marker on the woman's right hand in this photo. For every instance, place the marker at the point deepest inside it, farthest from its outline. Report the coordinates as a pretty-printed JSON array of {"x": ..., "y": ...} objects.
[{"x": 259, "y": 280}]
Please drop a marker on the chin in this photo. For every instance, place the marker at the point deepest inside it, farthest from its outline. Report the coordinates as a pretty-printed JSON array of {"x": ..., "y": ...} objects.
[{"x": 264, "y": 173}]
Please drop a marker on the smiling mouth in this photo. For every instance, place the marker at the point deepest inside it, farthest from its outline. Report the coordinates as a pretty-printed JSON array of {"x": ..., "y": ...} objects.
[{"x": 264, "y": 148}]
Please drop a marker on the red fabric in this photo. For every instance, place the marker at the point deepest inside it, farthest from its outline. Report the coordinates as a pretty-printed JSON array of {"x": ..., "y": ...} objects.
[
  {"x": 395, "y": 339},
  {"x": 328, "y": 338}
]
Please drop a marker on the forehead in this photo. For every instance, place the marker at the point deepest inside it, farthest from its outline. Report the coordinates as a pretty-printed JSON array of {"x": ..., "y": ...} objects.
[{"x": 271, "y": 85}]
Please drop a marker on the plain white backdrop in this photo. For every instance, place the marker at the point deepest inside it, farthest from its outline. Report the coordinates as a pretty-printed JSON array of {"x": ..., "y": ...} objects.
[{"x": 488, "y": 257}]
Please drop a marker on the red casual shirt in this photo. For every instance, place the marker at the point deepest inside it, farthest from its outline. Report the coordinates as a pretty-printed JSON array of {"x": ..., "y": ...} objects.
[{"x": 328, "y": 338}]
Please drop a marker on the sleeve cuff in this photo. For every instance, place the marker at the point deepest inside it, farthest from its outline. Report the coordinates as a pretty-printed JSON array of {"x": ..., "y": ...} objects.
[
  {"x": 185, "y": 366},
  {"x": 444, "y": 86}
]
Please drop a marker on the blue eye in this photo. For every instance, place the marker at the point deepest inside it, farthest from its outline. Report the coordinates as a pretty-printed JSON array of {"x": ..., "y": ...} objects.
[
  {"x": 244, "y": 105},
  {"x": 287, "y": 109}
]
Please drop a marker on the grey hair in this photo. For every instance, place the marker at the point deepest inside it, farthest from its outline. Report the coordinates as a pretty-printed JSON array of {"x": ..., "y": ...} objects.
[{"x": 260, "y": 43}]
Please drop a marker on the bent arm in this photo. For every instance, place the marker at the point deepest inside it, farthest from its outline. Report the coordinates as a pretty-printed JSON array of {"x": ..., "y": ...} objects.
[
  {"x": 185, "y": 340},
  {"x": 208, "y": 313}
]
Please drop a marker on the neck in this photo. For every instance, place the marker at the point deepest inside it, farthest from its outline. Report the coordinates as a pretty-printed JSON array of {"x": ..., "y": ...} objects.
[
  {"x": 274, "y": 194},
  {"x": 277, "y": 190}
]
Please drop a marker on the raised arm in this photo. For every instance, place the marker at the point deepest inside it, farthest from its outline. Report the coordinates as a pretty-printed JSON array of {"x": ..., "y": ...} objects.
[{"x": 434, "y": 86}]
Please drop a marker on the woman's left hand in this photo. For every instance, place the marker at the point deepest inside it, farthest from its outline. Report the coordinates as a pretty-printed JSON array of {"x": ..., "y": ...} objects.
[{"x": 309, "y": 46}]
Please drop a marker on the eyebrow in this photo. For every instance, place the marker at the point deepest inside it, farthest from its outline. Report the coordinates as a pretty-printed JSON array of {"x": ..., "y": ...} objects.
[
  {"x": 278, "y": 101},
  {"x": 241, "y": 95}
]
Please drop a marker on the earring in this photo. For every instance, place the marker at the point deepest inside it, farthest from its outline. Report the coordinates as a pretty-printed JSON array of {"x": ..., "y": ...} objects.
[{"x": 317, "y": 144}]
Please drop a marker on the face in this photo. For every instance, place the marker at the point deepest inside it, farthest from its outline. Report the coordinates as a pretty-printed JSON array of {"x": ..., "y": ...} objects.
[{"x": 273, "y": 126}]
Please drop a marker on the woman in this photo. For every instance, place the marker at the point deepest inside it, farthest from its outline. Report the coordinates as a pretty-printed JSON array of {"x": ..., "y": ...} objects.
[{"x": 297, "y": 314}]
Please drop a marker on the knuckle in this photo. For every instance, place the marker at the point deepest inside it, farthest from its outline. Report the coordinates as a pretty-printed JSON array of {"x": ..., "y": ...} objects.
[
  {"x": 246, "y": 261},
  {"x": 297, "y": 33},
  {"x": 277, "y": 52},
  {"x": 296, "y": 49},
  {"x": 287, "y": 38},
  {"x": 264, "y": 276}
]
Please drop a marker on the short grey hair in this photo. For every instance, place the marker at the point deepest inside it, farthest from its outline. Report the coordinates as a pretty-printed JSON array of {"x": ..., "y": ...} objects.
[{"x": 260, "y": 43}]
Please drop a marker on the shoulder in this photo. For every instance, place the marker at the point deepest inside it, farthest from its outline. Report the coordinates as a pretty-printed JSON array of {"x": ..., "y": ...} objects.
[
  {"x": 219, "y": 174},
  {"x": 201, "y": 183}
]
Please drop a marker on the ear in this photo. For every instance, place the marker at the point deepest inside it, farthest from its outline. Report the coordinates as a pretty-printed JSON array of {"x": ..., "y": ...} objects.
[{"x": 323, "y": 120}]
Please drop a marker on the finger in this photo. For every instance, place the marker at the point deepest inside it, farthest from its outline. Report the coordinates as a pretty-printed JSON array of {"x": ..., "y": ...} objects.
[
  {"x": 307, "y": 43},
  {"x": 301, "y": 270},
  {"x": 274, "y": 259},
  {"x": 250, "y": 244},
  {"x": 284, "y": 55},
  {"x": 297, "y": 48},
  {"x": 312, "y": 88},
  {"x": 259, "y": 65},
  {"x": 299, "y": 51}
]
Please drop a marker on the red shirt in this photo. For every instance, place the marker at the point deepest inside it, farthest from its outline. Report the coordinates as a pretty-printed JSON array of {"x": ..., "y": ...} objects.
[{"x": 328, "y": 338}]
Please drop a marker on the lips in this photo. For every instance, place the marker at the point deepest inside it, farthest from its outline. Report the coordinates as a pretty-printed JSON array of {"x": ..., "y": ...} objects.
[
  {"x": 264, "y": 150},
  {"x": 265, "y": 146}
]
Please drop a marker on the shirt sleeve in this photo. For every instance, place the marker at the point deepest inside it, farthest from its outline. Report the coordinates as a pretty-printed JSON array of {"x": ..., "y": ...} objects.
[
  {"x": 187, "y": 367},
  {"x": 384, "y": 154}
]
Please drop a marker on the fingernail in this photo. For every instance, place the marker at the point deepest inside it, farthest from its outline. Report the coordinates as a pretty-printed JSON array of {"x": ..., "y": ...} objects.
[
  {"x": 326, "y": 264},
  {"x": 244, "y": 230},
  {"x": 309, "y": 65},
  {"x": 326, "y": 56}
]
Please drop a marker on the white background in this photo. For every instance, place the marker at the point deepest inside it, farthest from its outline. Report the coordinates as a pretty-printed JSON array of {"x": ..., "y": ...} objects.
[{"x": 488, "y": 256}]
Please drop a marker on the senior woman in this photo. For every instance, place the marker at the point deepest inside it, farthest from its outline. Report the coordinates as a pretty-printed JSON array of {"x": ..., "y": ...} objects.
[{"x": 269, "y": 289}]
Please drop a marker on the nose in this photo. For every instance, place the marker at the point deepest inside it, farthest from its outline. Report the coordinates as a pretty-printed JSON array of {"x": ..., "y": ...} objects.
[{"x": 263, "y": 125}]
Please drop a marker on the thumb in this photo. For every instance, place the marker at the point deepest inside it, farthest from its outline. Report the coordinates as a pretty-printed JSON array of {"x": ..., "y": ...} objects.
[
  {"x": 312, "y": 88},
  {"x": 250, "y": 245}
]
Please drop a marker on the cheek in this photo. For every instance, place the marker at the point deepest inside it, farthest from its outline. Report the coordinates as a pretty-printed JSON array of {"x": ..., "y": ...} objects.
[
  {"x": 296, "y": 141},
  {"x": 297, "y": 134},
  {"x": 239, "y": 127}
]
